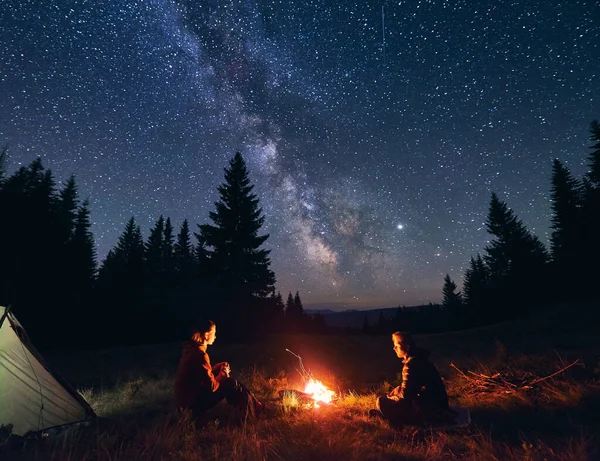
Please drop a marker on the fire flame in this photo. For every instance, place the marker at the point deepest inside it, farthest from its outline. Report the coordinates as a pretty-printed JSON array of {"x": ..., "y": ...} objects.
[{"x": 318, "y": 391}]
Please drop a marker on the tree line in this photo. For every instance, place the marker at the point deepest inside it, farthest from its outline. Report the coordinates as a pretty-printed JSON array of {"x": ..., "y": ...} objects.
[
  {"x": 516, "y": 273},
  {"x": 144, "y": 290}
]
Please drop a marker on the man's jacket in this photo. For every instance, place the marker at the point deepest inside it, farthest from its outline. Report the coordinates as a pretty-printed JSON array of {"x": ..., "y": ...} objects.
[
  {"x": 194, "y": 379},
  {"x": 421, "y": 382}
]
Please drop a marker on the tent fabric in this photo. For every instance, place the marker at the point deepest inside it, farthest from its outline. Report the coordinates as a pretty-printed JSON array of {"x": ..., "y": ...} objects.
[{"x": 32, "y": 397}]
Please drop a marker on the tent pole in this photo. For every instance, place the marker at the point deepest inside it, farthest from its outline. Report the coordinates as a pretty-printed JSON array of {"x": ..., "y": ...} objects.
[{"x": 6, "y": 311}]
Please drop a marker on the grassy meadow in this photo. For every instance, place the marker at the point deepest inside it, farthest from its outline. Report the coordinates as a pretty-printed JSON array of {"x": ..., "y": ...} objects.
[{"x": 556, "y": 419}]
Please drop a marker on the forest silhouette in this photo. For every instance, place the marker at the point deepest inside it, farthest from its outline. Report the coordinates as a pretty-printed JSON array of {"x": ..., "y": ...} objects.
[{"x": 150, "y": 291}]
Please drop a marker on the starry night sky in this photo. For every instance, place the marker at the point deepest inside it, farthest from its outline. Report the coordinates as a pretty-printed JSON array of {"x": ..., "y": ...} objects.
[{"x": 374, "y": 136}]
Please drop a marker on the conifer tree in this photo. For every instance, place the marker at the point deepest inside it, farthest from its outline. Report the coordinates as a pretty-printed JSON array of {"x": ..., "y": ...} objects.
[
  {"x": 240, "y": 267},
  {"x": 67, "y": 209},
  {"x": 183, "y": 252},
  {"x": 516, "y": 260},
  {"x": 452, "y": 300},
  {"x": 154, "y": 248},
  {"x": 83, "y": 247},
  {"x": 168, "y": 251},
  {"x": 475, "y": 284},
  {"x": 594, "y": 158},
  {"x": 121, "y": 287},
  {"x": 3, "y": 164},
  {"x": 567, "y": 228},
  {"x": 590, "y": 212},
  {"x": 289, "y": 306},
  {"x": 298, "y": 307}
]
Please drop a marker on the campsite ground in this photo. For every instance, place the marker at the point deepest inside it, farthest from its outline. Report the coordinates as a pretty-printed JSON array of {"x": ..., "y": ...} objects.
[{"x": 131, "y": 391}]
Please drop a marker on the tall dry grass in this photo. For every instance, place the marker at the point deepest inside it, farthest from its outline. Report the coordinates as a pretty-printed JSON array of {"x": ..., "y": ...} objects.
[{"x": 137, "y": 422}]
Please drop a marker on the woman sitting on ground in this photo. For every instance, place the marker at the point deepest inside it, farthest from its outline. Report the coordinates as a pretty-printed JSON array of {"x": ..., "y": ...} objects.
[
  {"x": 200, "y": 386},
  {"x": 421, "y": 397}
]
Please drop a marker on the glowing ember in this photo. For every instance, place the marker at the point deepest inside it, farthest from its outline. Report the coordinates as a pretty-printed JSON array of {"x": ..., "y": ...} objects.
[{"x": 318, "y": 391}]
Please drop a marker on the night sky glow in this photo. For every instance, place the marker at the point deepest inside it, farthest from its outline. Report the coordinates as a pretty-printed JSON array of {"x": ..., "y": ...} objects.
[{"x": 374, "y": 131}]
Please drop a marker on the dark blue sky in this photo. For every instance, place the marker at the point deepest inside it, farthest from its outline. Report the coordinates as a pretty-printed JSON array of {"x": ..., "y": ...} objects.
[{"x": 374, "y": 136}]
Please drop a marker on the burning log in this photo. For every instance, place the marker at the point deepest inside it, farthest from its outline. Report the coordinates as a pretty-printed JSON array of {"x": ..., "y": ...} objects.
[{"x": 315, "y": 390}]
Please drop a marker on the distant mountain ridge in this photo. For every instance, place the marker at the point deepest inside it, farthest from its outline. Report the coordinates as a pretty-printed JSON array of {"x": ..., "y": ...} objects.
[{"x": 354, "y": 318}]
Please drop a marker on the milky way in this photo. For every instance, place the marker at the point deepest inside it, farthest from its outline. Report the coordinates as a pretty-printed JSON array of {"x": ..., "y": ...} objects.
[{"x": 374, "y": 132}]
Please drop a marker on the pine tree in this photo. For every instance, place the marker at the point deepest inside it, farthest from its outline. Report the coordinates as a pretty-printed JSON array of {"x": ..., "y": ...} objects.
[
  {"x": 83, "y": 247},
  {"x": 516, "y": 261},
  {"x": 594, "y": 158},
  {"x": 590, "y": 212},
  {"x": 289, "y": 306},
  {"x": 168, "y": 252},
  {"x": 67, "y": 209},
  {"x": 567, "y": 229},
  {"x": 154, "y": 248},
  {"x": 475, "y": 284},
  {"x": 452, "y": 300},
  {"x": 3, "y": 164},
  {"x": 241, "y": 269},
  {"x": 298, "y": 307},
  {"x": 184, "y": 254},
  {"x": 121, "y": 287}
]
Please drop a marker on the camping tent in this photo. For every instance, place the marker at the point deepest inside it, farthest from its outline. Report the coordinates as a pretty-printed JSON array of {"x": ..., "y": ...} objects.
[{"x": 32, "y": 397}]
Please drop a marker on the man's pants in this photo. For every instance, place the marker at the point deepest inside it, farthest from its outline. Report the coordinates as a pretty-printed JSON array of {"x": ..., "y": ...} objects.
[
  {"x": 399, "y": 411},
  {"x": 231, "y": 390}
]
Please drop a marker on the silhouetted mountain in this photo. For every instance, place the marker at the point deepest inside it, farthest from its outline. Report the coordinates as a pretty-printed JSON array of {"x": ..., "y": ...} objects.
[{"x": 354, "y": 318}]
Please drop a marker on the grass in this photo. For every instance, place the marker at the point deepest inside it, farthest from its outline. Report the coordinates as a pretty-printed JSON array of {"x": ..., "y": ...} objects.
[{"x": 557, "y": 420}]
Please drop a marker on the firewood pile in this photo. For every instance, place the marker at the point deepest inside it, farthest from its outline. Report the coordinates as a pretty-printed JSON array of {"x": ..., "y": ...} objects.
[{"x": 506, "y": 383}]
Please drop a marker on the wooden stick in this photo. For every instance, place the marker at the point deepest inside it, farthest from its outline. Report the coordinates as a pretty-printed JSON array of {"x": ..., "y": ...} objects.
[{"x": 539, "y": 380}]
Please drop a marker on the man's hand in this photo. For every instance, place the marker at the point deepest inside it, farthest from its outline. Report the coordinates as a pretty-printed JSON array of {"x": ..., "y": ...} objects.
[{"x": 222, "y": 370}]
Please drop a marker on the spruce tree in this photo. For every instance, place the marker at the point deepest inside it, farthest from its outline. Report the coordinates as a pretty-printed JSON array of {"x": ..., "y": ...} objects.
[
  {"x": 452, "y": 300},
  {"x": 566, "y": 240},
  {"x": 475, "y": 284},
  {"x": 183, "y": 253},
  {"x": 590, "y": 213},
  {"x": 3, "y": 164},
  {"x": 594, "y": 158},
  {"x": 121, "y": 288},
  {"x": 240, "y": 268},
  {"x": 298, "y": 307},
  {"x": 516, "y": 260}
]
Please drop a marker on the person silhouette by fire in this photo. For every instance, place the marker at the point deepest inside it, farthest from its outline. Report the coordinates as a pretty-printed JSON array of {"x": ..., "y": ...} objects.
[
  {"x": 421, "y": 398},
  {"x": 200, "y": 386}
]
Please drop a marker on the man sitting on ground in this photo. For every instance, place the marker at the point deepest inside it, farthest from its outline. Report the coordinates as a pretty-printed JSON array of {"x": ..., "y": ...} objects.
[
  {"x": 200, "y": 386},
  {"x": 421, "y": 397}
]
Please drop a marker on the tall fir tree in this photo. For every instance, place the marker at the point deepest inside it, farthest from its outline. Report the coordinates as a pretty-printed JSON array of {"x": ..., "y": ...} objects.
[
  {"x": 239, "y": 266},
  {"x": 591, "y": 217},
  {"x": 289, "y": 306},
  {"x": 121, "y": 283},
  {"x": 298, "y": 306},
  {"x": 475, "y": 285},
  {"x": 594, "y": 158},
  {"x": 516, "y": 260},
  {"x": 452, "y": 299},
  {"x": 183, "y": 253},
  {"x": 3, "y": 164},
  {"x": 567, "y": 230}
]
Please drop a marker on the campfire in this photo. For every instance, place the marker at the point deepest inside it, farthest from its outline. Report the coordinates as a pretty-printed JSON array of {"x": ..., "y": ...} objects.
[
  {"x": 319, "y": 392},
  {"x": 315, "y": 392}
]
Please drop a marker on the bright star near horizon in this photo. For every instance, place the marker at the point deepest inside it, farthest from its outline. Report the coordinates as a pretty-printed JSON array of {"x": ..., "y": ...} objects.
[{"x": 400, "y": 226}]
